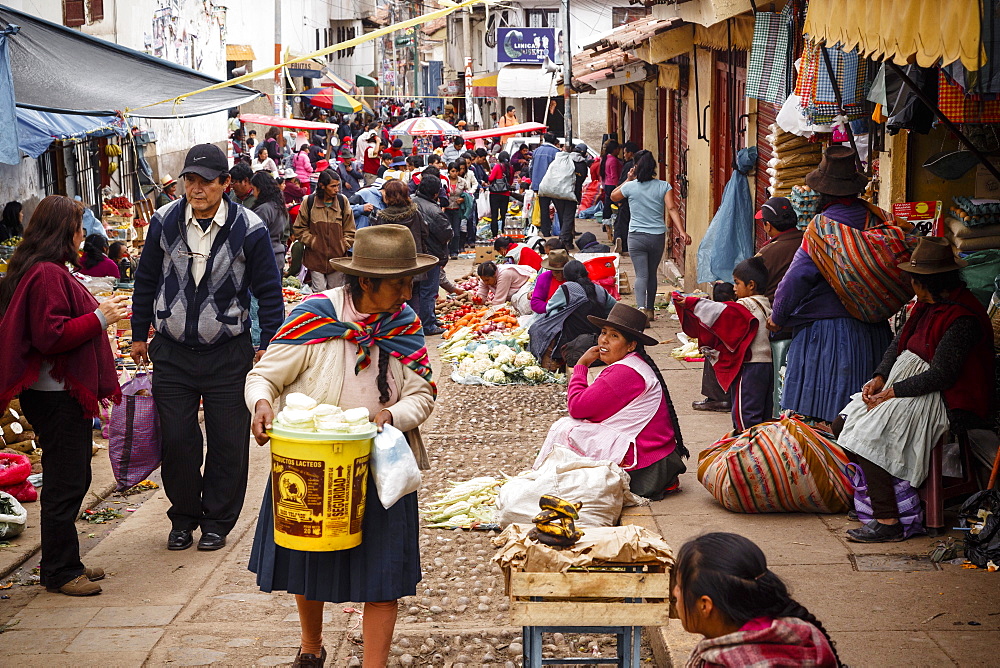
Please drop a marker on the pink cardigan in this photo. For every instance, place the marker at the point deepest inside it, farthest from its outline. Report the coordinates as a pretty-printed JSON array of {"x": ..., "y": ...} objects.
[{"x": 611, "y": 392}]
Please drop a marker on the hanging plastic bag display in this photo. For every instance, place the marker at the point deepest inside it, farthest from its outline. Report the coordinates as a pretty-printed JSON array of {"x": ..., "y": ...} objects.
[{"x": 729, "y": 239}]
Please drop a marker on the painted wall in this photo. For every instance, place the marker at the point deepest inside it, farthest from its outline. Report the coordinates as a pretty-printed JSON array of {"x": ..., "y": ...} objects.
[{"x": 699, "y": 201}]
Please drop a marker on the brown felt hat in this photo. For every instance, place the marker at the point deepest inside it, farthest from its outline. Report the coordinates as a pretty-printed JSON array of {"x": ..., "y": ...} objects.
[
  {"x": 626, "y": 319},
  {"x": 933, "y": 255},
  {"x": 837, "y": 173},
  {"x": 556, "y": 259},
  {"x": 384, "y": 251}
]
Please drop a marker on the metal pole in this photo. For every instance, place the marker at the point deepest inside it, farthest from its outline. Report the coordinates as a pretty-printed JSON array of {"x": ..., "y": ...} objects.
[
  {"x": 990, "y": 167},
  {"x": 279, "y": 86},
  {"x": 567, "y": 76},
  {"x": 470, "y": 117}
]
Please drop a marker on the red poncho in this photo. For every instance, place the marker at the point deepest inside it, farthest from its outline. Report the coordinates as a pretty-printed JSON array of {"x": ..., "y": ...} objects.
[{"x": 51, "y": 317}]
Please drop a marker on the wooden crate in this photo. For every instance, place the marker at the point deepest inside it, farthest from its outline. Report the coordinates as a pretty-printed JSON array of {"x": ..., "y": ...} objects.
[{"x": 581, "y": 598}]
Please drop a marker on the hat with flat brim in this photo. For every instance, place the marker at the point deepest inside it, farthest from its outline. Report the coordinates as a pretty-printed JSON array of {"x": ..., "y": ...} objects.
[
  {"x": 628, "y": 320},
  {"x": 384, "y": 251},
  {"x": 837, "y": 173},
  {"x": 556, "y": 260},
  {"x": 933, "y": 255}
]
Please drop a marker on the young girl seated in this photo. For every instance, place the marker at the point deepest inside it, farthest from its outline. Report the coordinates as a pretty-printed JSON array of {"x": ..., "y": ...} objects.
[{"x": 725, "y": 592}]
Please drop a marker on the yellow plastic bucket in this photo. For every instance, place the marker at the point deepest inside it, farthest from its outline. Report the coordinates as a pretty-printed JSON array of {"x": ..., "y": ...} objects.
[{"x": 318, "y": 487}]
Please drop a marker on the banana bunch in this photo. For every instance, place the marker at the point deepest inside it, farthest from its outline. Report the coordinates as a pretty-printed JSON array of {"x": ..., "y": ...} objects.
[
  {"x": 112, "y": 150},
  {"x": 112, "y": 167},
  {"x": 556, "y": 524}
]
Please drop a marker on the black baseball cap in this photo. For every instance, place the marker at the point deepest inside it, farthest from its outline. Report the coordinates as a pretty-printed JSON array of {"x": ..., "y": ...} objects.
[
  {"x": 776, "y": 210},
  {"x": 207, "y": 161}
]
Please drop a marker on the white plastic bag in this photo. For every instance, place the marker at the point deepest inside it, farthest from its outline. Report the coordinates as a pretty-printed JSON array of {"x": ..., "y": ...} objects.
[
  {"x": 12, "y": 524},
  {"x": 483, "y": 204},
  {"x": 559, "y": 181},
  {"x": 394, "y": 466},
  {"x": 601, "y": 486}
]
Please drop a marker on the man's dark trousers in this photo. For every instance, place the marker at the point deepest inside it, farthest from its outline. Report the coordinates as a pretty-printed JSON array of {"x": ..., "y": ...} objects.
[
  {"x": 184, "y": 376},
  {"x": 545, "y": 219},
  {"x": 566, "y": 210}
]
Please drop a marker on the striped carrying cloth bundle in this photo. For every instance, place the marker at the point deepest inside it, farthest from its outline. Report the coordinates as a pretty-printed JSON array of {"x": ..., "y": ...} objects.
[
  {"x": 860, "y": 265},
  {"x": 777, "y": 467}
]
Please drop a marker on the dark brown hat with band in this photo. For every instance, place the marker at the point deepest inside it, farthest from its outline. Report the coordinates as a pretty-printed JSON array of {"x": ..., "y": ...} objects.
[
  {"x": 626, "y": 319},
  {"x": 933, "y": 255},
  {"x": 557, "y": 259},
  {"x": 383, "y": 251},
  {"x": 837, "y": 173}
]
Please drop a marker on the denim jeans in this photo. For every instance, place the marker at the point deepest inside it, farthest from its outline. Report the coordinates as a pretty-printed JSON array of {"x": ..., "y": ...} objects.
[{"x": 425, "y": 292}]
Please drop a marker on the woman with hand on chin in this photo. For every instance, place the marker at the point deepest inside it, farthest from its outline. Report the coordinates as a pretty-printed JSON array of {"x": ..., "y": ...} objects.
[
  {"x": 625, "y": 415},
  {"x": 353, "y": 346}
]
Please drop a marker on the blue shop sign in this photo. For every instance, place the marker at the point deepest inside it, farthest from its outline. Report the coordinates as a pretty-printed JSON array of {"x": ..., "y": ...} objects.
[{"x": 527, "y": 45}]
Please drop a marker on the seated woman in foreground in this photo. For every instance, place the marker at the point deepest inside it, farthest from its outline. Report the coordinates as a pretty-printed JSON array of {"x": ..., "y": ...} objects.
[
  {"x": 936, "y": 374},
  {"x": 725, "y": 592},
  {"x": 625, "y": 415}
]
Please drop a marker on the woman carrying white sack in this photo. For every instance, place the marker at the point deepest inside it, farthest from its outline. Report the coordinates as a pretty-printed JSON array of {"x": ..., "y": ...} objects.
[
  {"x": 358, "y": 346},
  {"x": 625, "y": 416}
]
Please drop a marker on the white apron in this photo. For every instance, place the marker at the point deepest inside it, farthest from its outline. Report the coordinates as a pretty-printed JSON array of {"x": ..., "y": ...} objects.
[{"x": 614, "y": 438}]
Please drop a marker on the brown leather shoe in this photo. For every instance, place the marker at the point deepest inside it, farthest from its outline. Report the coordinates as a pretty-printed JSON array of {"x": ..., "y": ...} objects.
[
  {"x": 78, "y": 586},
  {"x": 94, "y": 574},
  {"x": 310, "y": 659}
]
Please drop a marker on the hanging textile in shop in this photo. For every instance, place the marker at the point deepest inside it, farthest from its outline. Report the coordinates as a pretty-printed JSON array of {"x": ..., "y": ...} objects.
[
  {"x": 769, "y": 72},
  {"x": 815, "y": 88},
  {"x": 962, "y": 108},
  {"x": 8, "y": 140},
  {"x": 903, "y": 109}
]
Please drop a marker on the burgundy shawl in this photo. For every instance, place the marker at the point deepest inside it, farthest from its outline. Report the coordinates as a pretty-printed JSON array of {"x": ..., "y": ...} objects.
[{"x": 47, "y": 300}]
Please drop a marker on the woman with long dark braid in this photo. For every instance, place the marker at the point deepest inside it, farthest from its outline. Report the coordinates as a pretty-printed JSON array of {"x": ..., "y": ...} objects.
[
  {"x": 95, "y": 261},
  {"x": 725, "y": 592},
  {"x": 625, "y": 415}
]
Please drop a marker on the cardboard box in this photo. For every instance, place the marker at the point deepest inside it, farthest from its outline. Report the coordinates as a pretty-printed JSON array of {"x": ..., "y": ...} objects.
[{"x": 485, "y": 254}]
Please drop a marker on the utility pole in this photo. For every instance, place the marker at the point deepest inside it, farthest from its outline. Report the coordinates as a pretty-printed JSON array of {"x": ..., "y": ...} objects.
[
  {"x": 470, "y": 117},
  {"x": 567, "y": 75},
  {"x": 279, "y": 86}
]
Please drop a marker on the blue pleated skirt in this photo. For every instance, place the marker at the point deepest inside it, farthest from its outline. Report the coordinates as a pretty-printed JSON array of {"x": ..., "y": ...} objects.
[
  {"x": 828, "y": 361},
  {"x": 384, "y": 567}
]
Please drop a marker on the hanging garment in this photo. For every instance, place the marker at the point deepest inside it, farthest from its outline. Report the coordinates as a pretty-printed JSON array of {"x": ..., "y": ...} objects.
[
  {"x": 769, "y": 72},
  {"x": 961, "y": 108},
  {"x": 816, "y": 88}
]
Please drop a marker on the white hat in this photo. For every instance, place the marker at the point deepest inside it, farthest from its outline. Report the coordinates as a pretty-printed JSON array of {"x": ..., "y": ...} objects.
[{"x": 166, "y": 180}]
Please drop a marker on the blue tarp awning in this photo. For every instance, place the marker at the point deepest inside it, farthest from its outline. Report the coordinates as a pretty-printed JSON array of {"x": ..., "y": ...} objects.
[{"x": 36, "y": 130}]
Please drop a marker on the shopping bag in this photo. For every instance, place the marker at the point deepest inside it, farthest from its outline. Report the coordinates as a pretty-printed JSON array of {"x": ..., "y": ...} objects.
[
  {"x": 777, "y": 467},
  {"x": 911, "y": 512},
  {"x": 559, "y": 181},
  {"x": 483, "y": 204},
  {"x": 13, "y": 517},
  {"x": 14, "y": 471},
  {"x": 394, "y": 466},
  {"x": 980, "y": 514},
  {"x": 134, "y": 444}
]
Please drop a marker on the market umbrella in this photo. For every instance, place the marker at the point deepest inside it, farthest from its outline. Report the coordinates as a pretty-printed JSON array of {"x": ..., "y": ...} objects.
[
  {"x": 424, "y": 126},
  {"x": 331, "y": 98}
]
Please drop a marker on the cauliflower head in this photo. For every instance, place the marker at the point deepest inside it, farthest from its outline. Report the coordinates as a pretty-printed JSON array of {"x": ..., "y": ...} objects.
[
  {"x": 494, "y": 376},
  {"x": 533, "y": 373},
  {"x": 524, "y": 358}
]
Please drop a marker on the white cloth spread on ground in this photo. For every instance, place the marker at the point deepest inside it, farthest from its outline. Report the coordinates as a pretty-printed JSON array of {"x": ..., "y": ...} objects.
[
  {"x": 898, "y": 434},
  {"x": 612, "y": 439}
]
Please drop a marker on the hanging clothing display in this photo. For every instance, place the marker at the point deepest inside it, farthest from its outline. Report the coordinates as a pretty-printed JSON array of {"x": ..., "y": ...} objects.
[
  {"x": 769, "y": 71},
  {"x": 815, "y": 88},
  {"x": 904, "y": 110},
  {"x": 962, "y": 108}
]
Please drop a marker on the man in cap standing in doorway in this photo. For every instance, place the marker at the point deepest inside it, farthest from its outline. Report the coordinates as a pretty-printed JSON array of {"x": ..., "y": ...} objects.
[{"x": 203, "y": 256}]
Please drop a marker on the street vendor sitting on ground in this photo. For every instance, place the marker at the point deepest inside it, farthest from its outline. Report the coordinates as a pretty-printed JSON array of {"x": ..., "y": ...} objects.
[
  {"x": 626, "y": 414},
  {"x": 359, "y": 346},
  {"x": 516, "y": 253},
  {"x": 549, "y": 279},
  {"x": 499, "y": 284},
  {"x": 937, "y": 373}
]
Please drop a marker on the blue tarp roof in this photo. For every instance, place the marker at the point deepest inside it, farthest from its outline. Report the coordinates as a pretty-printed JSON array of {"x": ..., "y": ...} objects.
[{"x": 36, "y": 130}]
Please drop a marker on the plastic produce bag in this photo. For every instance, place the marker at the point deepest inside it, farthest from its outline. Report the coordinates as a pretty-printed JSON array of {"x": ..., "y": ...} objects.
[
  {"x": 13, "y": 517},
  {"x": 483, "y": 204},
  {"x": 729, "y": 239},
  {"x": 14, "y": 471},
  {"x": 559, "y": 181},
  {"x": 394, "y": 466},
  {"x": 134, "y": 445},
  {"x": 981, "y": 515},
  {"x": 601, "y": 486}
]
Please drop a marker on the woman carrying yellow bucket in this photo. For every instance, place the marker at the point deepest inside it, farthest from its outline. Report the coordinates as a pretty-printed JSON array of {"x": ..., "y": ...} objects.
[{"x": 359, "y": 346}]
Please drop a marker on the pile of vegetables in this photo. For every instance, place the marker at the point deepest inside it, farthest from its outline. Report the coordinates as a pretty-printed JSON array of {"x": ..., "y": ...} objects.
[
  {"x": 465, "y": 505},
  {"x": 498, "y": 362},
  {"x": 450, "y": 309},
  {"x": 291, "y": 282},
  {"x": 689, "y": 351},
  {"x": 12, "y": 242},
  {"x": 484, "y": 322}
]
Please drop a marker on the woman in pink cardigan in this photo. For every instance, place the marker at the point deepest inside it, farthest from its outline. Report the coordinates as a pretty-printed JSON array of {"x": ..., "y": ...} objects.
[{"x": 625, "y": 415}]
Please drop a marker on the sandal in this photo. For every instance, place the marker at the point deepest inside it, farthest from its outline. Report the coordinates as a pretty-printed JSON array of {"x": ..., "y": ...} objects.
[{"x": 876, "y": 532}]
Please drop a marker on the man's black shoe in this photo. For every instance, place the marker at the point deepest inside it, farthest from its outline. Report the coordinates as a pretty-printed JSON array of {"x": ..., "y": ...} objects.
[
  {"x": 179, "y": 539},
  {"x": 211, "y": 541},
  {"x": 709, "y": 405}
]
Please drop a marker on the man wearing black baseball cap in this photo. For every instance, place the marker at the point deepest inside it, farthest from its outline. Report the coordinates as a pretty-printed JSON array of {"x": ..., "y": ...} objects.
[
  {"x": 779, "y": 219},
  {"x": 203, "y": 256}
]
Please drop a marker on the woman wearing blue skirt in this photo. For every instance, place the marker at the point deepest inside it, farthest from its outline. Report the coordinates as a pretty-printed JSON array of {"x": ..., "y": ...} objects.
[
  {"x": 354, "y": 346},
  {"x": 832, "y": 354}
]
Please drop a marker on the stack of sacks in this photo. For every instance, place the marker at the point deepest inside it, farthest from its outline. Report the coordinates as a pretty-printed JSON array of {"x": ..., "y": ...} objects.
[
  {"x": 17, "y": 435},
  {"x": 792, "y": 157},
  {"x": 968, "y": 239},
  {"x": 303, "y": 413}
]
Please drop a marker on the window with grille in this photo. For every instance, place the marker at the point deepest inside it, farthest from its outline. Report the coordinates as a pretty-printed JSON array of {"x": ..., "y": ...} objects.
[
  {"x": 345, "y": 33},
  {"x": 622, "y": 15},
  {"x": 79, "y": 12},
  {"x": 541, "y": 18}
]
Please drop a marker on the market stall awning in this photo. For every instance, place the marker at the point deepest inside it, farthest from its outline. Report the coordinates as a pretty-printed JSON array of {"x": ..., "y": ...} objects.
[
  {"x": 278, "y": 122},
  {"x": 526, "y": 81},
  {"x": 36, "y": 130},
  {"x": 519, "y": 129},
  {"x": 337, "y": 81},
  {"x": 65, "y": 71},
  {"x": 365, "y": 81},
  {"x": 920, "y": 31},
  {"x": 485, "y": 86},
  {"x": 239, "y": 52}
]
